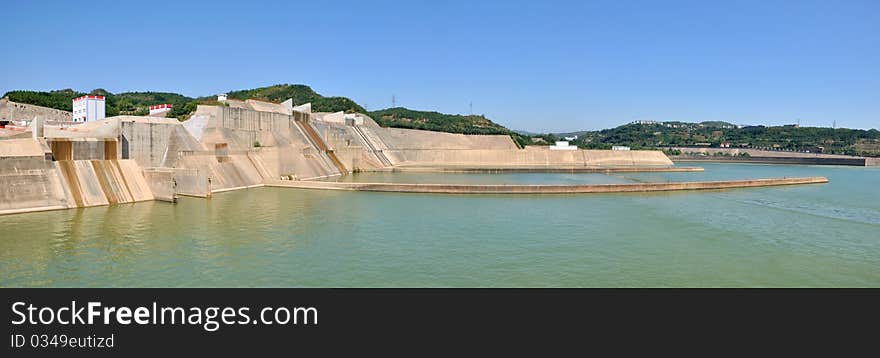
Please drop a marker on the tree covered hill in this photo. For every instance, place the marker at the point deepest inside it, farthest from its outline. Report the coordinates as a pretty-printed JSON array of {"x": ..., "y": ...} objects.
[
  {"x": 138, "y": 103},
  {"x": 129, "y": 103},
  {"x": 456, "y": 123},
  {"x": 300, "y": 94},
  {"x": 714, "y": 134}
]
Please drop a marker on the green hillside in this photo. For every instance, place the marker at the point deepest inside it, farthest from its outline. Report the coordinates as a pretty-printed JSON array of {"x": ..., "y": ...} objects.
[
  {"x": 129, "y": 103},
  {"x": 713, "y": 134},
  {"x": 300, "y": 94},
  {"x": 58, "y": 99},
  {"x": 400, "y": 117},
  {"x": 434, "y": 121}
]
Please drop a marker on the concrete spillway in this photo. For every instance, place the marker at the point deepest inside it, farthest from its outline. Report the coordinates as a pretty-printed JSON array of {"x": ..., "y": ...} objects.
[
  {"x": 103, "y": 182},
  {"x": 547, "y": 189}
]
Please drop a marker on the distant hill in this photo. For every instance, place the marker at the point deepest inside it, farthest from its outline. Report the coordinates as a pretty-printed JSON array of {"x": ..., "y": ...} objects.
[
  {"x": 138, "y": 103},
  {"x": 455, "y": 123},
  {"x": 714, "y": 134},
  {"x": 300, "y": 94},
  {"x": 129, "y": 103}
]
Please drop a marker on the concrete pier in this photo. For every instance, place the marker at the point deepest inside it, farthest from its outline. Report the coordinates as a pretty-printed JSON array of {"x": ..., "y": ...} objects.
[{"x": 545, "y": 189}]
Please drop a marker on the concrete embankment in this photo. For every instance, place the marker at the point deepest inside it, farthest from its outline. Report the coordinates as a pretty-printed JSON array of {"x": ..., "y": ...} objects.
[{"x": 545, "y": 189}]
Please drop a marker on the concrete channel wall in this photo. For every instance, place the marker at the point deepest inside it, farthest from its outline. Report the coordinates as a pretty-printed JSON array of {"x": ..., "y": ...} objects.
[
  {"x": 409, "y": 147},
  {"x": 13, "y": 111},
  {"x": 31, "y": 184},
  {"x": 529, "y": 157},
  {"x": 546, "y": 189}
]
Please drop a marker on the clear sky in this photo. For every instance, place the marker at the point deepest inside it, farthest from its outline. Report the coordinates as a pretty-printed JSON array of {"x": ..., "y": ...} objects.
[{"x": 532, "y": 65}]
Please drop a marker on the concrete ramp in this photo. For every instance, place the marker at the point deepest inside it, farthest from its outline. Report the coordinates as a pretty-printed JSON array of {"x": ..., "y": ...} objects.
[
  {"x": 82, "y": 181},
  {"x": 233, "y": 172},
  {"x": 104, "y": 182},
  {"x": 111, "y": 182},
  {"x": 135, "y": 181}
]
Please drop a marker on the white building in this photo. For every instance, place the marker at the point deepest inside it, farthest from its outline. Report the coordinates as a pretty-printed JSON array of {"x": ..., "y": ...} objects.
[
  {"x": 562, "y": 145},
  {"x": 571, "y": 138},
  {"x": 159, "y": 110},
  {"x": 221, "y": 97},
  {"x": 619, "y": 147},
  {"x": 88, "y": 108}
]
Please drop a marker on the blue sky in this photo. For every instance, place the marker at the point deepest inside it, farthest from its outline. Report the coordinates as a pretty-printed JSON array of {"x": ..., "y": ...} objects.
[{"x": 533, "y": 65}]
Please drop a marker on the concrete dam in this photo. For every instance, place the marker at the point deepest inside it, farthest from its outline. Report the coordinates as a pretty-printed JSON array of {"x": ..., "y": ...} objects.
[{"x": 53, "y": 164}]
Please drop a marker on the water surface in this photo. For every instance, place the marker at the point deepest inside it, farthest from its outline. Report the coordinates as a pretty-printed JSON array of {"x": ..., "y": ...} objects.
[{"x": 812, "y": 235}]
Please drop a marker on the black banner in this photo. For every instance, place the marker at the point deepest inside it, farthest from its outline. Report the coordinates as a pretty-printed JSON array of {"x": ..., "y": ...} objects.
[{"x": 417, "y": 321}]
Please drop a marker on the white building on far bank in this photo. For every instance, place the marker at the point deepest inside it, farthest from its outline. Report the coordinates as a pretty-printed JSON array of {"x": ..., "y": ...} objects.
[
  {"x": 88, "y": 108},
  {"x": 619, "y": 147},
  {"x": 562, "y": 145},
  {"x": 160, "y": 110}
]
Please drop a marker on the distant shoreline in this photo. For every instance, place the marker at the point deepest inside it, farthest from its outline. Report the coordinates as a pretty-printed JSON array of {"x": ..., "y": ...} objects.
[{"x": 852, "y": 161}]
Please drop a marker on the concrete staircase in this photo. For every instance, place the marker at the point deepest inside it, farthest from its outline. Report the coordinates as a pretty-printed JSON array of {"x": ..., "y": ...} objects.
[{"x": 318, "y": 143}]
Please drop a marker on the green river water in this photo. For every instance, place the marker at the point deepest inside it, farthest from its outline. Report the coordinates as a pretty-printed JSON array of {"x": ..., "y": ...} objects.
[{"x": 811, "y": 235}]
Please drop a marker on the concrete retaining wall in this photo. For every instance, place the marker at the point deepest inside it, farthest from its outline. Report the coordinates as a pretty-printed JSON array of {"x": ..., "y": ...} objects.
[
  {"x": 12, "y": 111},
  {"x": 526, "y": 157},
  {"x": 192, "y": 182},
  {"x": 547, "y": 189},
  {"x": 31, "y": 184},
  {"x": 154, "y": 143},
  {"x": 399, "y": 139},
  {"x": 161, "y": 182}
]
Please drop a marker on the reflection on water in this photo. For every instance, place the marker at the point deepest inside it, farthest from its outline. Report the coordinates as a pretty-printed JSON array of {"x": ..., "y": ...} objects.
[{"x": 813, "y": 235}]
